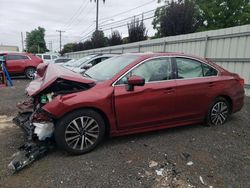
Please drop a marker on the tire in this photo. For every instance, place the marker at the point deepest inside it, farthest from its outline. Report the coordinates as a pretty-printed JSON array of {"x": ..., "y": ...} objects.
[
  {"x": 218, "y": 112},
  {"x": 29, "y": 72},
  {"x": 80, "y": 131}
]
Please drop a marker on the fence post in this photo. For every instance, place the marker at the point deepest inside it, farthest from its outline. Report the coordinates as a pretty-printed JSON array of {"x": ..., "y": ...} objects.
[
  {"x": 139, "y": 48},
  {"x": 205, "y": 47},
  {"x": 164, "y": 47}
]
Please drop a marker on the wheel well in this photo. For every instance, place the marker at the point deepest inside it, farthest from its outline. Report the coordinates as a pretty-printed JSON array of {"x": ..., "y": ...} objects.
[
  {"x": 105, "y": 118},
  {"x": 229, "y": 100},
  {"x": 29, "y": 67}
]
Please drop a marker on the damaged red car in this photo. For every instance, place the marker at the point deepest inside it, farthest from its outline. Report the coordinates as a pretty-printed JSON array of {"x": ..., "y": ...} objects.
[{"x": 127, "y": 94}]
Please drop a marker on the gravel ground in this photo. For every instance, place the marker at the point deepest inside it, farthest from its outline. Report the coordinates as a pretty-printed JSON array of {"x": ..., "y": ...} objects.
[{"x": 191, "y": 156}]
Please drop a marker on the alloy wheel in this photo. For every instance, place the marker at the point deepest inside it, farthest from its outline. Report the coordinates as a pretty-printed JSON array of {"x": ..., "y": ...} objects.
[
  {"x": 219, "y": 113},
  {"x": 82, "y": 133},
  {"x": 30, "y": 73}
]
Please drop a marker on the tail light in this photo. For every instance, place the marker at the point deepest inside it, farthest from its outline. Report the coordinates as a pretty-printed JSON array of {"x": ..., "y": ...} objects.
[{"x": 242, "y": 82}]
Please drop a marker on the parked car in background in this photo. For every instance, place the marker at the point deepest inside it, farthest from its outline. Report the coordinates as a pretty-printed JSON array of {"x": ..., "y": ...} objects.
[
  {"x": 48, "y": 58},
  {"x": 128, "y": 94},
  {"x": 81, "y": 65},
  {"x": 21, "y": 63},
  {"x": 61, "y": 60}
]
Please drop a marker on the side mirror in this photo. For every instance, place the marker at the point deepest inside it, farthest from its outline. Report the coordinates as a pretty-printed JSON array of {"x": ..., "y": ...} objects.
[
  {"x": 87, "y": 66},
  {"x": 134, "y": 81}
]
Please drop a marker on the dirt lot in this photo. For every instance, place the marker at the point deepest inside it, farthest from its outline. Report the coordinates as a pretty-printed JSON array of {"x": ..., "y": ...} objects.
[{"x": 191, "y": 156}]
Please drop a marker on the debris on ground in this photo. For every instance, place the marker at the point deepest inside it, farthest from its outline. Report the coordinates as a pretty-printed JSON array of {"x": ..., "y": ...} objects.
[
  {"x": 185, "y": 156},
  {"x": 28, "y": 153},
  {"x": 152, "y": 164},
  {"x": 159, "y": 172},
  {"x": 202, "y": 181},
  {"x": 190, "y": 163}
]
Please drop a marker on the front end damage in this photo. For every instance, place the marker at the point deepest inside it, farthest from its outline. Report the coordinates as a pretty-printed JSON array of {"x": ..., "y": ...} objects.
[
  {"x": 38, "y": 127},
  {"x": 38, "y": 124}
]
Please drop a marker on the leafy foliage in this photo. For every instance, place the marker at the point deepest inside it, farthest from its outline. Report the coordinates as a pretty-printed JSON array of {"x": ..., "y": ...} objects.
[
  {"x": 224, "y": 13},
  {"x": 136, "y": 31},
  {"x": 35, "y": 41},
  {"x": 177, "y": 17},
  {"x": 98, "y": 39},
  {"x": 115, "y": 38}
]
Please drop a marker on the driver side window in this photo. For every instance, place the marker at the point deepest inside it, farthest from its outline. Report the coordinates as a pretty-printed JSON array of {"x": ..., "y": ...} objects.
[{"x": 158, "y": 69}]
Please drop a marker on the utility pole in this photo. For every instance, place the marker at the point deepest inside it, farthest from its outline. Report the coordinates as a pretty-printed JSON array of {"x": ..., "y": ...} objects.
[
  {"x": 97, "y": 14},
  {"x": 60, "y": 33},
  {"x": 22, "y": 41},
  {"x": 50, "y": 46}
]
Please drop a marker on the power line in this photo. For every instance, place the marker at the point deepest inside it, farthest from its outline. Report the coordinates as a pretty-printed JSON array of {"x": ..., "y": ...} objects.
[
  {"x": 128, "y": 10},
  {"x": 121, "y": 25},
  {"x": 76, "y": 14}
]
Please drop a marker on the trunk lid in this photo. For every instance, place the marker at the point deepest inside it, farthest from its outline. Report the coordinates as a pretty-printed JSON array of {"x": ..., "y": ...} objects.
[{"x": 51, "y": 74}]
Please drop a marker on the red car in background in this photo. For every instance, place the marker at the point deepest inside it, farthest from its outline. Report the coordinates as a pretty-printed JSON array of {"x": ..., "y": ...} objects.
[
  {"x": 21, "y": 63},
  {"x": 127, "y": 94}
]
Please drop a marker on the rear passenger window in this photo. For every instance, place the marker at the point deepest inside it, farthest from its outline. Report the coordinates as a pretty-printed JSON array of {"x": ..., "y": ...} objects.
[
  {"x": 17, "y": 57},
  {"x": 24, "y": 57},
  {"x": 209, "y": 71},
  {"x": 188, "y": 68}
]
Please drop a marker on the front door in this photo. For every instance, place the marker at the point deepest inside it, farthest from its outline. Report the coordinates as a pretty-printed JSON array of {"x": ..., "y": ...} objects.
[{"x": 149, "y": 105}]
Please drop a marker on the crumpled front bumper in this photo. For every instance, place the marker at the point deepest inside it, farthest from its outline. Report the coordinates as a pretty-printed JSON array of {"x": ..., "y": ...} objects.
[{"x": 23, "y": 120}]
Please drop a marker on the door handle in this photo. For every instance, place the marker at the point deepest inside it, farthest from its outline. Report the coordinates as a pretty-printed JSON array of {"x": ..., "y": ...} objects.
[
  {"x": 169, "y": 90},
  {"x": 211, "y": 84}
]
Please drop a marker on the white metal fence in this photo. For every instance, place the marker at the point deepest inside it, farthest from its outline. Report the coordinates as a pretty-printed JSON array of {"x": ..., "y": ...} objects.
[{"x": 228, "y": 47}]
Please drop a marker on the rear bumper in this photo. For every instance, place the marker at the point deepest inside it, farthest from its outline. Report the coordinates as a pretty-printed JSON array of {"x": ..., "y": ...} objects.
[{"x": 238, "y": 103}]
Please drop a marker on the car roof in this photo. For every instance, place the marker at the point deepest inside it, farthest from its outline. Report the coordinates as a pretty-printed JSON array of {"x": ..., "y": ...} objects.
[
  {"x": 158, "y": 54},
  {"x": 15, "y": 53}
]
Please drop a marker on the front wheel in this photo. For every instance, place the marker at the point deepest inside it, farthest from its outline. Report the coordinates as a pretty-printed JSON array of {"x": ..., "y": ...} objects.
[
  {"x": 30, "y": 73},
  {"x": 218, "y": 112},
  {"x": 80, "y": 131}
]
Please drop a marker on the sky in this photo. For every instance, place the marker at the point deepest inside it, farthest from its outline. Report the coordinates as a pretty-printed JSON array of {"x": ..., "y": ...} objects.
[{"x": 75, "y": 17}]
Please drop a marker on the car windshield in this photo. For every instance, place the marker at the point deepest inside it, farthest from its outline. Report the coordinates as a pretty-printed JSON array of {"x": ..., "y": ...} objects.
[
  {"x": 79, "y": 62},
  {"x": 110, "y": 67}
]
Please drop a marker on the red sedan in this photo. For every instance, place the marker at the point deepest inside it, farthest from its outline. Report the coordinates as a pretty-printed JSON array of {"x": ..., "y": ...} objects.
[
  {"x": 21, "y": 63},
  {"x": 128, "y": 94}
]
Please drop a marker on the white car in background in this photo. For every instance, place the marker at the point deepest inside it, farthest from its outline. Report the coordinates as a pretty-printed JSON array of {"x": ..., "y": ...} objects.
[
  {"x": 48, "y": 58},
  {"x": 62, "y": 60},
  {"x": 81, "y": 65}
]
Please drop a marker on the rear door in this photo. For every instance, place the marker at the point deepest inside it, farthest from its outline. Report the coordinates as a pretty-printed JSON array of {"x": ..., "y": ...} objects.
[
  {"x": 196, "y": 85},
  {"x": 16, "y": 63},
  {"x": 152, "y": 104}
]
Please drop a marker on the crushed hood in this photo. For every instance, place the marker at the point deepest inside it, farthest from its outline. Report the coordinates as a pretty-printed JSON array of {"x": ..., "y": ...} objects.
[{"x": 54, "y": 72}]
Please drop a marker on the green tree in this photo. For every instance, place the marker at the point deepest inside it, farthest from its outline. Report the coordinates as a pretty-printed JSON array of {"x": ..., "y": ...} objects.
[
  {"x": 68, "y": 48},
  {"x": 136, "y": 31},
  {"x": 177, "y": 17},
  {"x": 98, "y": 39},
  {"x": 115, "y": 38},
  {"x": 35, "y": 41},
  {"x": 87, "y": 45},
  {"x": 224, "y": 13}
]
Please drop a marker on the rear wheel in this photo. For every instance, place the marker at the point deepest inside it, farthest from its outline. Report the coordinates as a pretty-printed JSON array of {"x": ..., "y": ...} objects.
[
  {"x": 80, "y": 131},
  {"x": 30, "y": 72},
  {"x": 219, "y": 112}
]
